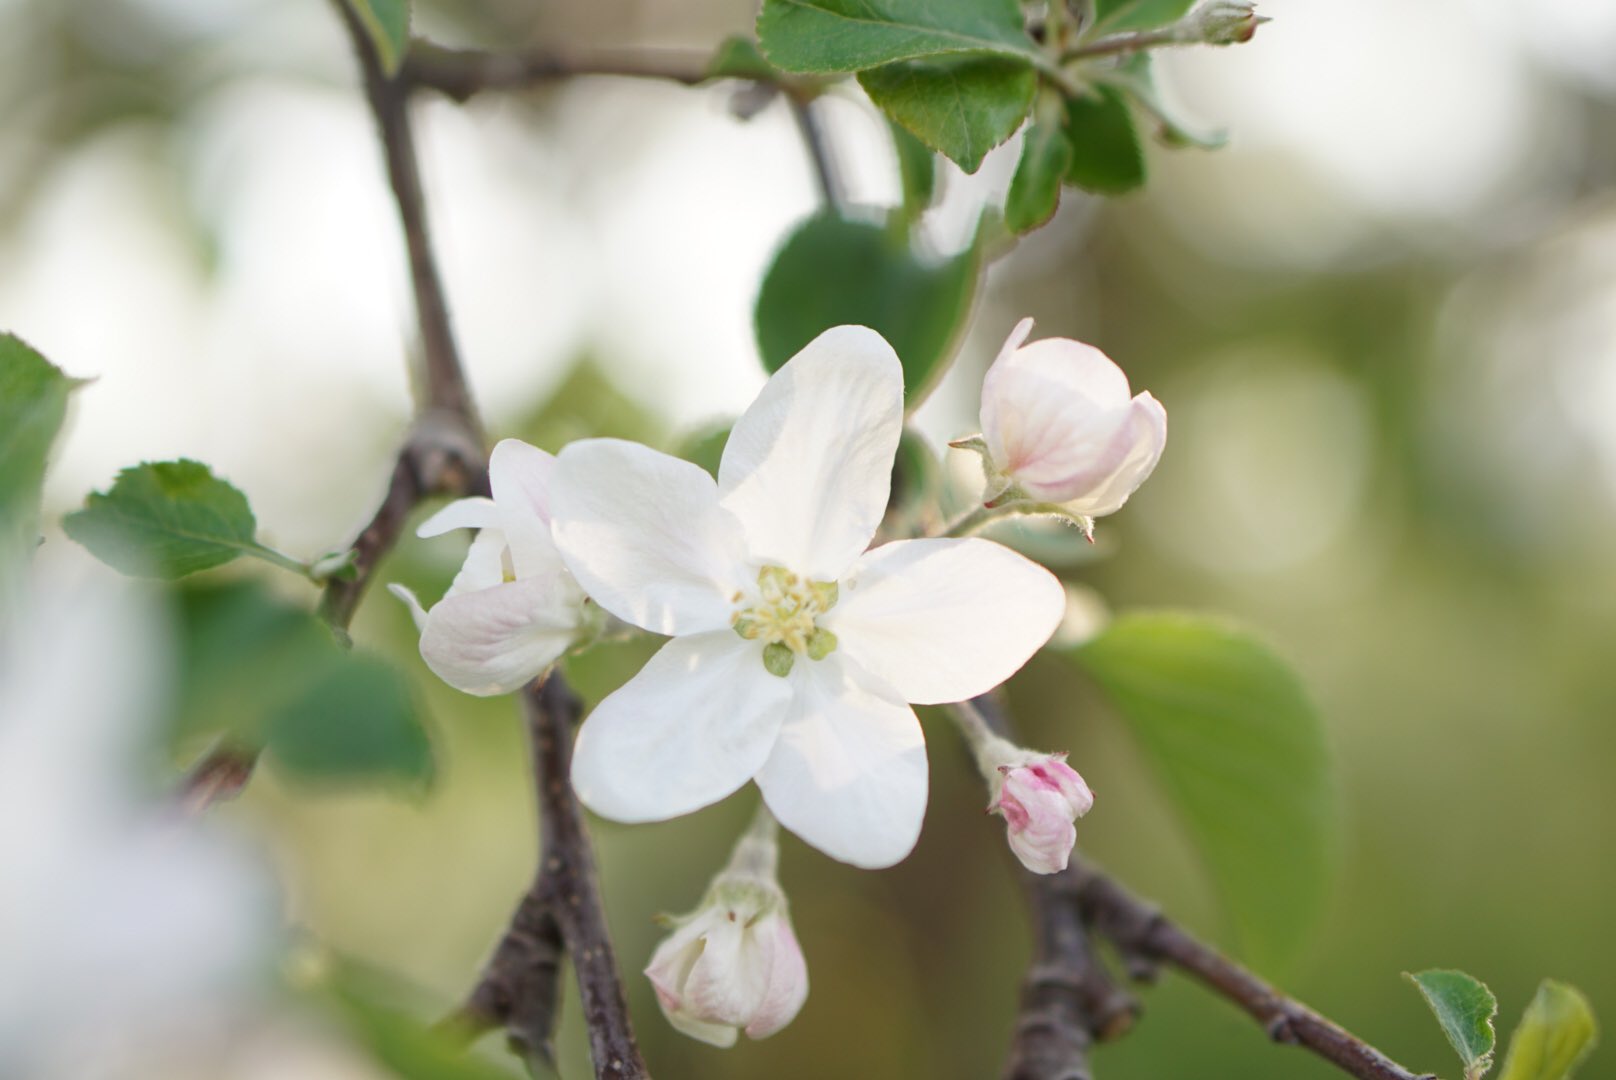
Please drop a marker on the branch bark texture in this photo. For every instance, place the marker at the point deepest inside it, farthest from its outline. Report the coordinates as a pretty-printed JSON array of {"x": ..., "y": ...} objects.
[{"x": 562, "y": 912}]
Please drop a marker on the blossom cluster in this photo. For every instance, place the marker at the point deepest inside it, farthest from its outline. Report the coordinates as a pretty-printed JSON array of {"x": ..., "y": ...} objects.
[{"x": 799, "y": 636}]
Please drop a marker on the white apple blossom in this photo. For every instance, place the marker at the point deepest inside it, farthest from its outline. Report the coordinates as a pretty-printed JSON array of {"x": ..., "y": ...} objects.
[
  {"x": 1040, "y": 798},
  {"x": 126, "y": 930},
  {"x": 795, "y": 651},
  {"x": 513, "y": 608},
  {"x": 734, "y": 964},
  {"x": 1059, "y": 428}
]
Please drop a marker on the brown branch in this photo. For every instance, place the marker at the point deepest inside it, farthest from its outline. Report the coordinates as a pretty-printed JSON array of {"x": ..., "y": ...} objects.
[
  {"x": 445, "y": 384},
  {"x": 463, "y": 73},
  {"x": 561, "y": 912},
  {"x": 1148, "y": 939}
]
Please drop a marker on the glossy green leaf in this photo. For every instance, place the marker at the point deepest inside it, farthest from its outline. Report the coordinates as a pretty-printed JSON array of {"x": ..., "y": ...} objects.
[
  {"x": 851, "y": 35},
  {"x": 833, "y": 271},
  {"x": 962, "y": 107},
  {"x": 1046, "y": 154},
  {"x": 1241, "y": 755},
  {"x": 1552, "y": 1039},
  {"x": 1106, "y": 156},
  {"x": 33, "y": 403},
  {"x": 1115, "y": 16},
  {"x": 738, "y": 57},
  {"x": 355, "y": 720},
  {"x": 167, "y": 519},
  {"x": 1465, "y": 1008},
  {"x": 388, "y": 24},
  {"x": 917, "y": 169}
]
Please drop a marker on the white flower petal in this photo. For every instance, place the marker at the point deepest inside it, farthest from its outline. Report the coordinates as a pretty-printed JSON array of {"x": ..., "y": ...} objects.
[
  {"x": 645, "y": 537},
  {"x": 1144, "y": 436},
  {"x": 476, "y": 512},
  {"x": 486, "y": 565},
  {"x": 520, "y": 477},
  {"x": 944, "y": 620},
  {"x": 729, "y": 979},
  {"x": 694, "y": 725},
  {"x": 788, "y": 982},
  {"x": 808, "y": 466},
  {"x": 496, "y": 640},
  {"x": 722, "y": 1036},
  {"x": 848, "y": 772},
  {"x": 406, "y": 595}
]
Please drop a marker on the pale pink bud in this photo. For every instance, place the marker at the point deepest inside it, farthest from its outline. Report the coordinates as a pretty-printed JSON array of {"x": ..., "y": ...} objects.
[
  {"x": 1059, "y": 426},
  {"x": 1040, "y": 800},
  {"x": 732, "y": 966}
]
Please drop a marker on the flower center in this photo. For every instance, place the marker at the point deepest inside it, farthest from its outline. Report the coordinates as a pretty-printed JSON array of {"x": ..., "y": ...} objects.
[{"x": 783, "y": 614}]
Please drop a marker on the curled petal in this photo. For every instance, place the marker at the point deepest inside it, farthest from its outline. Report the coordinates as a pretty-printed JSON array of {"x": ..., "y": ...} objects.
[
  {"x": 494, "y": 641},
  {"x": 848, "y": 772},
  {"x": 808, "y": 466},
  {"x": 645, "y": 536},
  {"x": 476, "y": 512},
  {"x": 520, "y": 477},
  {"x": 695, "y": 724},
  {"x": 945, "y": 620},
  {"x": 788, "y": 983},
  {"x": 1141, "y": 441},
  {"x": 487, "y": 564}
]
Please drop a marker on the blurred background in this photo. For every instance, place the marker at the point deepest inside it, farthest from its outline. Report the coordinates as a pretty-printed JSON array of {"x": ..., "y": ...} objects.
[{"x": 1382, "y": 320}]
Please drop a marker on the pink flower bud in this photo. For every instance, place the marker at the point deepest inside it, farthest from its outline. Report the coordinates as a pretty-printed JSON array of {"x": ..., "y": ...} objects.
[
  {"x": 1039, "y": 800},
  {"x": 734, "y": 965},
  {"x": 1059, "y": 426}
]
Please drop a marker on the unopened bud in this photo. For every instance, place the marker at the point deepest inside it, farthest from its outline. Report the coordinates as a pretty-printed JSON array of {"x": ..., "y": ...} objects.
[
  {"x": 1040, "y": 799},
  {"x": 1220, "y": 23}
]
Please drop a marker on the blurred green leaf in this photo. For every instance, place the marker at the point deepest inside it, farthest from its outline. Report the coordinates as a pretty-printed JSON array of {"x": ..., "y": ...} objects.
[
  {"x": 1114, "y": 16},
  {"x": 388, "y": 24},
  {"x": 587, "y": 405},
  {"x": 1556, "y": 1034},
  {"x": 258, "y": 671},
  {"x": 396, "y": 1040},
  {"x": 1046, "y": 154},
  {"x": 851, "y": 35},
  {"x": 917, "y": 168},
  {"x": 706, "y": 446},
  {"x": 1106, "y": 156},
  {"x": 167, "y": 519},
  {"x": 962, "y": 107},
  {"x": 33, "y": 403},
  {"x": 1242, "y": 756},
  {"x": 738, "y": 57},
  {"x": 833, "y": 271},
  {"x": 1465, "y": 1008},
  {"x": 356, "y": 720}
]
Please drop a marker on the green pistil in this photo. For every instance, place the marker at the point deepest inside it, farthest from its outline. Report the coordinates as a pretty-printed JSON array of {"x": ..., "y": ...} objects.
[{"x": 784, "y": 614}]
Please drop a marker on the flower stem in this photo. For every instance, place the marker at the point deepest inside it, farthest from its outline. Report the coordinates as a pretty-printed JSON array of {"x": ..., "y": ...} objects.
[
  {"x": 972, "y": 521},
  {"x": 757, "y": 852},
  {"x": 990, "y": 749}
]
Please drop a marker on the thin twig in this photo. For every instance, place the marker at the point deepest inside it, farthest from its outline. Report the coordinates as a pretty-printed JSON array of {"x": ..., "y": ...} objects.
[
  {"x": 1148, "y": 939},
  {"x": 463, "y": 73},
  {"x": 814, "y": 140},
  {"x": 445, "y": 385},
  {"x": 1068, "y": 999},
  {"x": 561, "y": 912}
]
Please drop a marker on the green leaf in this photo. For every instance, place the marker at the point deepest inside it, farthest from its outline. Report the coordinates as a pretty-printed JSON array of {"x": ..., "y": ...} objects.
[
  {"x": 705, "y": 447},
  {"x": 33, "y": 403},
  {"x": 833, "y": 271},
  {"x": 356, "y": 720},
  {"x": 167, "y": 519},
  {"x": 1035, "y": 189},
  {"x": 1106, "y": 156},
  {"x": 962, "y": 107},
  {"x": 1115, "y": 16},
  {"x": 917, "y": 168},
  {"x": 851, "y": 35},
  {"x": 1556, "y": 1034},
  {"x": 1465, "y": 1008},
  {"x": 404, "y": 1045},
  {"x": 1241, "y": 754},
  {"x": 388, "y": 24},
  {"x": 737, "y": 57}
]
